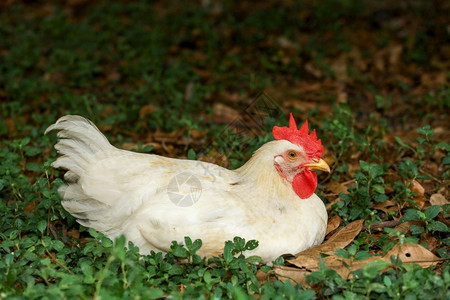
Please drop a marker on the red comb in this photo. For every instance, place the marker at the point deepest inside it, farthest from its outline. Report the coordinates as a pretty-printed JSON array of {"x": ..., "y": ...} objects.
[{"x": 313, "y": 147}]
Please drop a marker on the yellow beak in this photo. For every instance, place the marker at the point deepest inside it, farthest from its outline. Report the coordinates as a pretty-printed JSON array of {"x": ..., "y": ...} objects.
[{"x": 319, "y": 165}]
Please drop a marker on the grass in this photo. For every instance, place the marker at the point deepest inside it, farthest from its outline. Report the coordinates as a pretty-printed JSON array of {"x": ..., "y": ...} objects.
[{"x": 136, "y": 68}]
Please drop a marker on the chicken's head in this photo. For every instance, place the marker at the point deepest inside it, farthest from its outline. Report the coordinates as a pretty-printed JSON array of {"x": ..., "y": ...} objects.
[{"x": 295, "y": 164}]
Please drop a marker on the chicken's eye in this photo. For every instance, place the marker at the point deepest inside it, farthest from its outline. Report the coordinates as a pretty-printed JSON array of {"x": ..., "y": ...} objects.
[{"x": 292, "y": 154}]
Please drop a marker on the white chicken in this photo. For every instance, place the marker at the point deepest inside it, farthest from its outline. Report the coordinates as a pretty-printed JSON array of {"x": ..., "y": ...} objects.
[{"x": 154, "y": 200}]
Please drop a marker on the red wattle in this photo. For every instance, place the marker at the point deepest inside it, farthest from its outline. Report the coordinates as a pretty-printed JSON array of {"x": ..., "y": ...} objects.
[{"x": 305, "y": 183}]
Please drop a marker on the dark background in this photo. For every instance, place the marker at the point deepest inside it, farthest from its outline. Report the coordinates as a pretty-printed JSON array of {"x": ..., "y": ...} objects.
[{"x": 160, "y": 64}]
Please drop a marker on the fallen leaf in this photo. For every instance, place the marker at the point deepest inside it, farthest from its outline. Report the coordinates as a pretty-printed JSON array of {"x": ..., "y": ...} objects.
[
  {"x": 311, "y": 69},
  {"x": 387, "y": 207},
  {"x": 357, "y": 60},
  {"x": 406, "y": 225},
  {"x": 196, "y": 134},
  {"x": 339, "y": 67},
  {"x": 147, "y": 110},
  {"x": 434, "y": 80},
  {"x": 294, "y": 275},
  {"x": 189, "y": 91},
  {"x": 74, "y": 233},
  {"x": 204, "y": 74},
  {"x": 284, "y": 42},
  {"x": 305, "y": 105},
  {"x": 431, "y": 241},
  {"x": 417, "y": 188},
  {"x": 333, "y": 223},
  {"x": 342, "y": 95},
  {"x": 340, "y": 239},
  {"x": 438, "y": 199},
  {"x": 11, "y": 124},
  {"x": 420, "y": 201},
  {"x": 336, "y": 187},
  {"x": 308, "y": 260},
  {"x": 29, "y": 208},
  {"x": 172, "y": 137},
  {"x": 408, "y": 253},
  {"x": 394, "y": 53},
  {"x": 224, "y": 113},
  {"x": 439, "y": 154},
  {"x": 414, "y": 253},
  {"x": 107, "y": 111},
  {"x": 378, "y": 60},
  {"x": 104, "y": 128}
]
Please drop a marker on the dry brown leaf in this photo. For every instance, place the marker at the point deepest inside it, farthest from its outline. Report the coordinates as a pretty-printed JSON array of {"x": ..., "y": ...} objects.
[
  {"x": 420, "y": 191},
  {"x": 414, "y": 253},
  {"x": 172, "y": 137},
  {"x": 408, "y": 253},
  {"x": 417, "y": 188},
  {"x": 434, "y": 80},
  {"x": 294, "y": 275},
  {"x": 308, "y": 260},
  {"x": 147, "y": 110},
  {"x": 286, "y": 43},
  {"x": 432, "y": 167},
  {"x": 438, "y": 199},
  {"x": 336, "y": 187},
  {"x": 378, "y": 60},
  {"x": 339, "y": 67},
  {"x": 333, "y": 223},
  {"x": 104, "y": 128},
  {"x": 311, "y": 69},
  {"x": 11, "y": 124},
  {"x": 224, "y": 113},
  {"x": 394, "y": 53},
  {"x": 189, "y": 91},
  {"x": 439, "y": 154},
  {"x": 357, "y": 59},
  {"x": 421, "y": 200},
  {"x": 197, "y": 134},
  {"x": 74, "y": 233},
  {"x": 306, "y": 87},
  {"x": 431, "y": 241},
  {"x": 305, "y": 105},
  {"x": 387, "y": 206},
  {"x": 30, "y": 207},
  {"x": 107, "y": 111},
  {"x": 340, "y": 239},
  {"x": 204, "y": 74},
  {"x": 405, "y": 226},
  {"x": 342, "y": 95}
]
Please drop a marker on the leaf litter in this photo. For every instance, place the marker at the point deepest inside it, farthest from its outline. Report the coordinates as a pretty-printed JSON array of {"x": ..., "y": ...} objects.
[{"x": 307, "y": 261}]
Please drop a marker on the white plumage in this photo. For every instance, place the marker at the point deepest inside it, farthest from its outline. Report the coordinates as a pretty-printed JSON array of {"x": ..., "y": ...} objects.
[{"x": 141, "y": 195}]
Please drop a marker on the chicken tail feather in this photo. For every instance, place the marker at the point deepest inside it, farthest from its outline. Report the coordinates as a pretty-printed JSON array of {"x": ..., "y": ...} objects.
[
  {"x": 80, "y": 144},
  {"x": 79, "y": 141}
]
